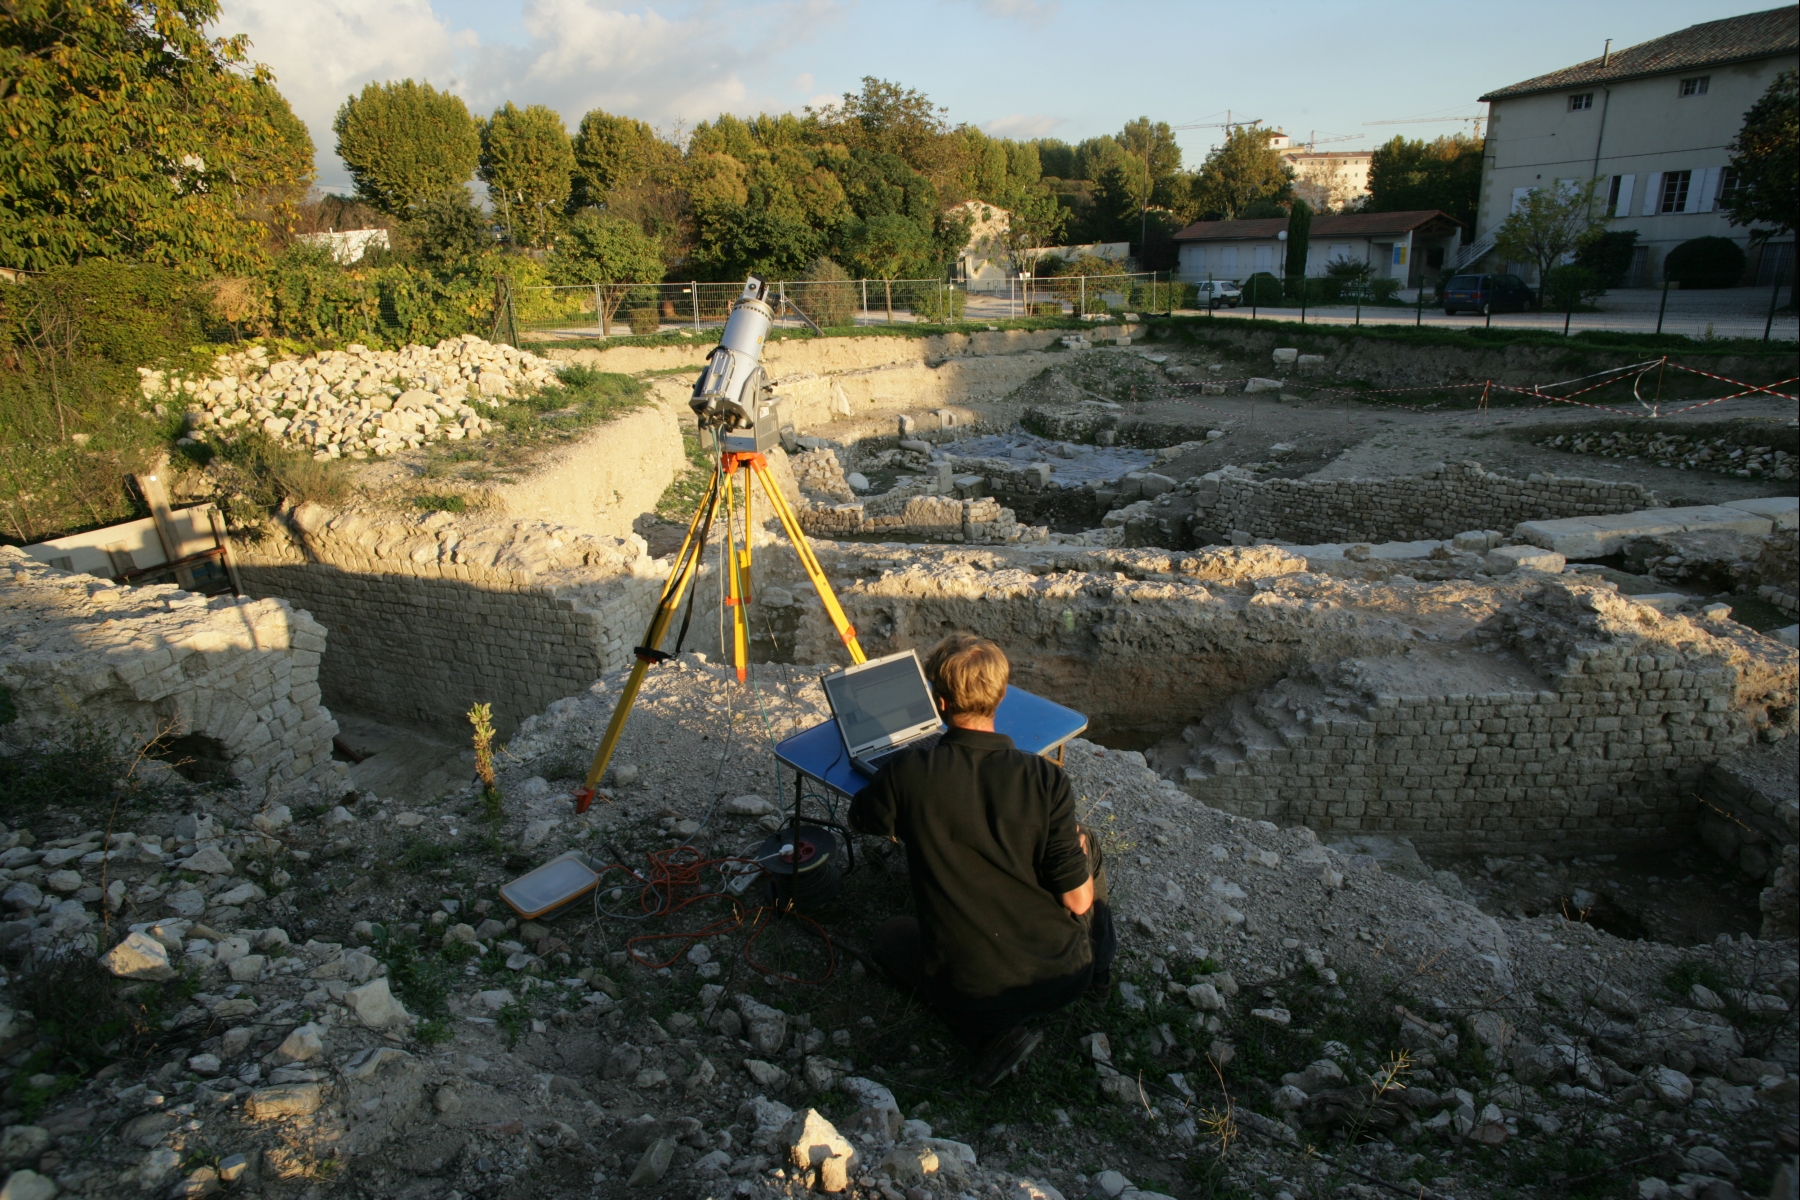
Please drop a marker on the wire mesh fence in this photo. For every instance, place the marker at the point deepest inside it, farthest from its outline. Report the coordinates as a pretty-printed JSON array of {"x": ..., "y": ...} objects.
[{"x": 625, "y": 309}]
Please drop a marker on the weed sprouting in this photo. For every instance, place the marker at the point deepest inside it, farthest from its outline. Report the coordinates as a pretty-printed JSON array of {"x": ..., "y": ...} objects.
[{"x": 481, "y": 716}]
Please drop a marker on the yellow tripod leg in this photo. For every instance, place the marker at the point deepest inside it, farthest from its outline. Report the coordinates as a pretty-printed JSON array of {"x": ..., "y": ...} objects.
[
  {"x": 809, "y": 562},
  {"x": 734, "y": 593},
  {"x": 687, "y": 565}
]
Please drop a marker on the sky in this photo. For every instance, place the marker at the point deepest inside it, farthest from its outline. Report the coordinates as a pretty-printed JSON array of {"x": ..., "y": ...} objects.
[{"x": 1321, "y": 69}]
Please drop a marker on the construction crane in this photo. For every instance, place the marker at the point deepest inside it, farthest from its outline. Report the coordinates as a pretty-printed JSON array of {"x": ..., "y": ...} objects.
[{"x": 1431, "y": 121}]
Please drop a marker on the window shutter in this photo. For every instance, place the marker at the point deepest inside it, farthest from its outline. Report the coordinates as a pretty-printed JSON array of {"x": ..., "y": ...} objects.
[
  {"x": 1652, "y": 192},
  {"x": 1708, "y": 198},
  {"x": 1624, "y": 206}
]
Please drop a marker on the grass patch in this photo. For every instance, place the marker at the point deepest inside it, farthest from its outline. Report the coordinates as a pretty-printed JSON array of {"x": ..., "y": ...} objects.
[
  {"x": 681, "y": 499},
  {"x": 441, "y": 502}
]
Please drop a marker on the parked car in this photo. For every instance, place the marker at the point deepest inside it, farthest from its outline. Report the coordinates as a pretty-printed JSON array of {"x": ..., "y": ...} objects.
[
  {"x": 1210, "y": 293},
  {"x": 1487, "y": 294}
]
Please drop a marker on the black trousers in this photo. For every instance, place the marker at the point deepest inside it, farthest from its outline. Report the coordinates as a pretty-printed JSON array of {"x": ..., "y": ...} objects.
[{"x": 898, "y": 948}]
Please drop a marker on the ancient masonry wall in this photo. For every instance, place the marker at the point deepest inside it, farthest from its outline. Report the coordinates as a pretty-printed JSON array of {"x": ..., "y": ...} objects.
[
  {"x": 1635, "y": 707},
  {"x": 1440, "y": 503},
  {"x": 147, "y": 663},
  {"x": 430, "y": 616}
]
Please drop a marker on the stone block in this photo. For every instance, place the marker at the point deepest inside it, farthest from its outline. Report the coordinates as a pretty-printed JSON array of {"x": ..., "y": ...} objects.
[{"x": 1505, "y": 559}]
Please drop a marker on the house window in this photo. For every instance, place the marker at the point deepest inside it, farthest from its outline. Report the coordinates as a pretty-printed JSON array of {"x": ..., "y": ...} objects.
[
  {"x": 1730, "y": 183},
  {"x": 1695, "y": 86},
  {"x": 1580, "y": 101},
  {"x": 1675, "y": 191},
  {"x": 1612, "y": 193}
]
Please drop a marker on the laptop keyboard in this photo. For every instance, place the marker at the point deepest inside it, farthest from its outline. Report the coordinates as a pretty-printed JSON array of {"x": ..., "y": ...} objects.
[{"x": 877, "y": 761}]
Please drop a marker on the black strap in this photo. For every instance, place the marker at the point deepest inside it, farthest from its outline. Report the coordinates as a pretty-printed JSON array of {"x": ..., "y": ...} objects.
[{"x": 699, "y": 561}]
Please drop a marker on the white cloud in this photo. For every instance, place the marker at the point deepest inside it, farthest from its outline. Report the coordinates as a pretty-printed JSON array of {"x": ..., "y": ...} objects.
[
  {"x": 1031, "y": 12},
  {"x": 803, "y": 82},
  {"x": 325, "y": 50},
  {"x": 1019, "y": 125},
  {"x": 573, "y": 55}
]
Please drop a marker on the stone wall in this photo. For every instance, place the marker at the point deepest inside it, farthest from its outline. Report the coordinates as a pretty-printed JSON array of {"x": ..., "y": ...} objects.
[
  {"x": 1439, "y": 503},
  {"x": 603, "y": 481},
  {"x": 149, "y": 663},
  {"x": 1621, "y": 713},
  {"x": 431, "y": 615}
]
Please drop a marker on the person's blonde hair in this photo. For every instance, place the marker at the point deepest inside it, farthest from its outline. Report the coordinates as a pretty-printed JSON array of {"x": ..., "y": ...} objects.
[{"x": 969, "y": 674}]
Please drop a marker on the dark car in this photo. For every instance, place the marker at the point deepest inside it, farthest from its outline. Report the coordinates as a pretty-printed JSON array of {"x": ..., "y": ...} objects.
[{"x": 1486, "y": 294}]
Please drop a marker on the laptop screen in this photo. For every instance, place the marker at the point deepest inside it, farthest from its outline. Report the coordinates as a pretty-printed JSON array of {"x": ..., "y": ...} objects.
[{"x": 880, "y": 702}]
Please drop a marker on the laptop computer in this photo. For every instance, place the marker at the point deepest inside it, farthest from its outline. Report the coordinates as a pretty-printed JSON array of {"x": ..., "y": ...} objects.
[{"x": 883, "y": 706}]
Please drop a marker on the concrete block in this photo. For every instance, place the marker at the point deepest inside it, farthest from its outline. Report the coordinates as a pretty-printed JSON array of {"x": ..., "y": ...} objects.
[
  {"x": 1285, "y": 355},
  {"x": 1783, "y": 511},
  {"x": 1259, "y": 384},
  {"x": 1504, "y": 559}
]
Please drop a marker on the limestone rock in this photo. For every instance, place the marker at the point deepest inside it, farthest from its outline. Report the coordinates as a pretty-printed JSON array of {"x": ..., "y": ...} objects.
[
  {"x": 766, "y": 1074},
  {"x": 302, "y": 1044},
  {"x": 765, "y": 1027},
  {"x": 208, "y": 860},
  {"x": 815, "y": 1147},
  {"x": 284, "y": 1100},
  {"x": 375, "y": 1006},
  {"x": 28, "y": 1185},
  {"x": 139, "y": 956},
  {"x": 655, "y": 1162}
]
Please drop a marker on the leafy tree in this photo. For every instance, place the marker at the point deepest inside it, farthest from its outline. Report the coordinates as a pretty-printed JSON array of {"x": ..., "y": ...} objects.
[
  {"x": 1152, "y": 148},
  {"x": 754, "y": 241},
  {"x": 1056, "y": 158},
  {"x": 828, "y": 296},
  {"x": 612, "y": 252},
  {"x": 1036, "y": 220},
  {"x": 616, "y": 152},
  {"x": 406, "y": 143},
  {"x": 885, "y": 118},
  {"x": 1410, "y": 174},
  {"x": 1765, "y": 159},
  {"x": 1549, "y": 225},
  {"x": 526, "y": 163},
  {"x": 1117, "y": 204},
  {"x": 1299, "y": 233},
  {"x": 1609, "y": 256},
  {"x": 889, "y": 247},
  {"x": 447, "y": 231},
  {"x": 131, "y": 134},
  {"x": 1238, "y": 173}
]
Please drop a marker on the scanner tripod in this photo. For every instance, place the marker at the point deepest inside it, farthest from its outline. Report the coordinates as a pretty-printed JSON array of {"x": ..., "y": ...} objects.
[{"x": 719, "y": 495}]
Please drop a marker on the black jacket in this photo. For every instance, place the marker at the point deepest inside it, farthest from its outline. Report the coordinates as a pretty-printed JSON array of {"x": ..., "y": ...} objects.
[{"x": 991, "y": 842}]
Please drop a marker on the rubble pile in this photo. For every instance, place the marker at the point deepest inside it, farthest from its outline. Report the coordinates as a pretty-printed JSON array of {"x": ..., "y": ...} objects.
[
  {"x": 356, "y": 401},
  {"x": 1686, "y": 452}
]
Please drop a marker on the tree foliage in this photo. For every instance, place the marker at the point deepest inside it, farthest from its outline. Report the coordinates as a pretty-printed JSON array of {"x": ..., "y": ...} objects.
[
  {"x": 1550, "y": 224},
  {"x": 614, "y": 153},
  {"x": 1765, "y": 159},
  {"x": 1406, "y": 175},
  {"x": 1240, "y": 172},
  {"x": 1299, "y": 234},
  {"x": 131, "y": 134},
  {"x": 526, "y": 162},
  {"x": 405, "y": 143}
]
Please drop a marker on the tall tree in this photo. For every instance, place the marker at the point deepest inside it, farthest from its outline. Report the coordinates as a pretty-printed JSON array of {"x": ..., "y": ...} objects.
[
  {"x": 526, "y": 163},
  {"x": 1765, "y": 159},
  {"x": 616, "y": 152},
  {"x": 1409, "y": 174},
  {"x": 1035, "y": 220},
  {"x": 886, "y": 118},
  {"x": 132, "y": 134},
  {"x": 888, "y": 247},
  {"x": 1152, "y": 145},
  {"x": 1299, "y": 236},
  {"x": 404, "y": 143},
  {"x": 1240, "y": 172},
  {"x": 608, "y": 252},
  {"x": 1550, "y": 224},
  {"x": 1117, "y": 206}
]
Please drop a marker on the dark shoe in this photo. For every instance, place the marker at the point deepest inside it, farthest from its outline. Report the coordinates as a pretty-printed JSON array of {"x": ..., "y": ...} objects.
[
  {"x": 1099, "y": 989},
  {"x": 1004, "y": 1054}
]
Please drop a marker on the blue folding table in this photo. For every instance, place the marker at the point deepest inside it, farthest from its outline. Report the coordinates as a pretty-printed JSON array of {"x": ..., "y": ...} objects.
[{"x": 1034, "y": 724}]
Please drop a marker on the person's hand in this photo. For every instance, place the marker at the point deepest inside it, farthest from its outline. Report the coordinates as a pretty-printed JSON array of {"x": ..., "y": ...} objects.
[{"x": 1084, "y": 845}]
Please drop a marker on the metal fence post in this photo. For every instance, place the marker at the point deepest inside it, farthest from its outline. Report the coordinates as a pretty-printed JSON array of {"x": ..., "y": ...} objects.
[
  {"x": 1419, "y": 311},
  {"x": 865, "y": 292},
  {"x": 1664, "y": 306},
  {"x": 694, "y": 287},
  {"x": 599, "y": 311},
  {"x": 1083, "y": 301},
  {"x": 1774, "y": 295}
]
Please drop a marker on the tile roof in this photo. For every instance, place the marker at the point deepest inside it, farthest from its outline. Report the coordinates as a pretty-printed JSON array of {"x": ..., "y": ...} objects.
[
  {"x": 1712, "y": 44},
  {"x": 1347, "y": 225}
]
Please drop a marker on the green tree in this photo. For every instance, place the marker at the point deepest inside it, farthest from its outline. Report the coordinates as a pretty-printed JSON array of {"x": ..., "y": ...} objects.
[
  {"x": 1406, "y": 175},
  {"x": 885, "y": 118},
  {"x": 447, "y": 232},
  {"x": 1117, "y": 205},
  {"x": 1299, "y": 233},
  {"x": 616, "y": 152},
  {"x": 610, "y": 252},
  {"x": 889, "y": 247},
  {"x": 526, "y": 163},
  {"x": 1240, "y": 172},
  {"x": 1765, "y": 159},
  {"x": 404, "y": 143},
  {"x": 1550, "y": 224},
  {"x": 1036, "y": 220},
  {"x": 1152, "y": 147},
  {"x": 131, "y": 134}
]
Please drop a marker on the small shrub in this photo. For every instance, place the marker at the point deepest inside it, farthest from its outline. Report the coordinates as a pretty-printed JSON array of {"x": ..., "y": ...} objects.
[
  {"x": 1609, "y": 256},
  {"x": 449, "y": 502},
  {"x": 1382, "y": 290},
  {"x": 1705, "y": 262},
  {"x": 827, "y": 294},
  {"x": 643, "y": 321},
  {"x": 1263, "y": 289},
  {"x": 1047, "y": 308}
]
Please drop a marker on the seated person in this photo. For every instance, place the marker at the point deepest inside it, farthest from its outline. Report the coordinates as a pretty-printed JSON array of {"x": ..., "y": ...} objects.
[{"x": 1010, "y": 892}]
